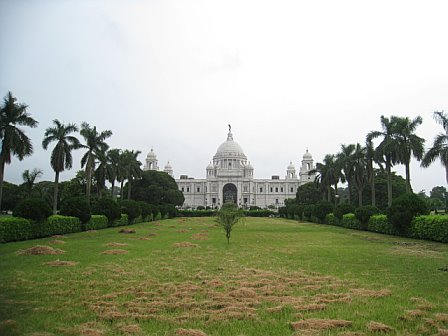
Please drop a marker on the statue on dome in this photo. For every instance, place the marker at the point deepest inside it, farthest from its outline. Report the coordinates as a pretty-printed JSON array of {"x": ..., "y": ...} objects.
[{"x": 230, "y": 128}]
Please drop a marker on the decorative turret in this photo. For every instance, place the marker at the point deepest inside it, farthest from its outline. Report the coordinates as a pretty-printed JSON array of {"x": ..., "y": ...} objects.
[
  {"x": 291, "y": 172},
  {"x": 210, "y": 170},
  {"x": 307, "y": 166},
  {"x": 151, "y": 161},
  {"x": 168, "y": 169}
]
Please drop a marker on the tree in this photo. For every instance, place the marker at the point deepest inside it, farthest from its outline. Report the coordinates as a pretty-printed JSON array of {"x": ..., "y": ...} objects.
[
  {"x": 359, "y": 170},
  {"x": 113, "y": 167},
  {"x": 409, "y": 144},
  {"x": 345, "y": 160},
  {"x": 308, "y": 194},
  {"x": 227, "y": 217},
  {"x": 387, "y": 149},
  {"x": 30, "y": 177},
  {"x": 439, "y": 193},
  {"x": 96, "y": 146},
  {"x": 439, "y": 148},
  {"x": 14, "y": 141},
  {"x": 61, "y": 156},
  {"x": 131, "y": 167},
  {"x": 327, "y": 174}
]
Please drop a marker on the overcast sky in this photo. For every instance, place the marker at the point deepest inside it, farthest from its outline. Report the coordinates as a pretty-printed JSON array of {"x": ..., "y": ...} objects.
[{"x": 288, "y": 75}]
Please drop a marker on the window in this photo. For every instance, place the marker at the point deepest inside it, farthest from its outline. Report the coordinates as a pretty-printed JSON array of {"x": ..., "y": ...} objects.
[
  {"x": 292, "y": 189},
  {"x": 276, "y": 201},
  {"x": 182, "y": 189},
  {"x": 276, "y": 189},
  {"x": 245, "y": 200},
  {"x": 198, "y": 189},
  {"x": 261, "y": 190},
  {"x": 214, "y": 200},
  {"x": 271, "y": 189},
  {"x": 188, "y": 189},
  {"x": 245, "y": 188},
  {"x": 281, "y": 189}
]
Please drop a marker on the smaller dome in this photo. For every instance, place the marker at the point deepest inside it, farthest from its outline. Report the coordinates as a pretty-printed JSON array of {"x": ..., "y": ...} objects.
[
  {"x": 291, "y": 166},
  {"x": 168, "y": 166},
  {"x": 210, "y": 166},
  {"x": 249, "y": 166},
  {"x": 151, "y": 154},
  {"x": 307, "y": 155}
]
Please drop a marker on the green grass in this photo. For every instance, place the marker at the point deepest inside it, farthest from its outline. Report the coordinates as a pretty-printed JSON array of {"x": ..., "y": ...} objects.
[{"x": 273, "y": 272}]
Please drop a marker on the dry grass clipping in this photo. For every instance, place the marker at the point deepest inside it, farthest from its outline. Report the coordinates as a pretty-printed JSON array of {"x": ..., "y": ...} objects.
[
  {"x": 442, "y": 317},
  {"x": 126, "y": 231},
  {"x": 116, "y": 244},
  {"x": 130, "y": 329},
  {"x": 152, "y": 234},
  {"x": 185, "y": 244},
  {"x": 56, "y": 241},
  {"x": 378, "y": 327},
  {"x": 61, "y": 263},
  {"x": 442, "y": 332},
  {"x": 190, "y": 332},
  {"x": 371, "y": 293},
  {"x": 114, "y": 252},
  {"x": 319, "y": 324},
  {"x": 40, "y": 250}
]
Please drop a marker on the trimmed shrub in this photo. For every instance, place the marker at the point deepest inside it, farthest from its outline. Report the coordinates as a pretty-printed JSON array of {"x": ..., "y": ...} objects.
[
  {"x": 33, "y": 208},
  {"x": 321, "y": 209},
  {"x": 76, "y": 207},
  {"x": 131, "y": 208},
  {"x": 96, "y": 222},
  {"x": 158, "y": 216},
  {"x": 307, "y": 211},
  {"x": 342, "y": 209},
  {"x": 121, "y": 222},
  {"x": 331, "y": 219},
  {"x": 168, "y": 211},
  {"x": 58, "y": 224},
  {"x": 380, "y": 224},
  {"x": 196, "y": 213},
  {"x": 283, "y": 213},
  {"x": 107, "y": 207},
  {"x": 145, "y": 210},
  {"x": 403, "y": 209},
  {"x": 350, "y": 221},
  {"x": 431, "y": 227},
  {"x": 364, "y": 213},
  {"x": 200, "y": 207},
  {"x": 16, "y": 228},
  {"x": 259, "y": 213}
]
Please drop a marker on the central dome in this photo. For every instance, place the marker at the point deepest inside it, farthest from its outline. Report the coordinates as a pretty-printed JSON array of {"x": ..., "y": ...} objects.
[{"x": 230, "y": 148}]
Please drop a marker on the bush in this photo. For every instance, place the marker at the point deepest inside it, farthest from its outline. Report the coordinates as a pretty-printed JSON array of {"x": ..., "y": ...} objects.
[
  {"x": 33, "y": 208},
  {"x": 259, "y": 213},
  {"x": 107, "y": 207},
  {"x": 331, "y": 219},
  {"x": 168, "y": 211},
  {"x": 145, "y": 210},
  {"x": 200, "y": 207},
  {"x": 321, "y": 209},
  {"x": 431, "y": 227},
  {"x": 76, "y": 207},
  {"x": 122, "y": 221},
  {"x": 342, "y": 209},
  {"x": 196, "y": 213},
  {"x": 96, "y": 222},
  {"x": 380, "y": 224},
  {"x": 403, "y": 209},
  {"x": 307, "y": 211},
  {"x": 350, "y": 221},
  {"x": 364, "y": 213},
  {"x": 131, "y": 208},
  {"x": 58, "y": 224},
  {"x": 16, "y": 228}
]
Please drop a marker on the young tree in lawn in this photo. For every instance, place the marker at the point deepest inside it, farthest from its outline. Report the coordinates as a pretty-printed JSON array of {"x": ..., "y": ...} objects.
[{"x": 228, "y": 216}]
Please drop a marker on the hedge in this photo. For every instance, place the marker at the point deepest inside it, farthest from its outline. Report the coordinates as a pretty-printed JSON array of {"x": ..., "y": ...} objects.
[
  {"x": 96, "y": 222},
  {"x": 380, "y": 224},
  {"x": 350, "y": 221},
  {"x": 431, "y": 227},
  {"x": 259, "y": 213},
  {"x": 331, "y": 219},
  {"x": 120, "y": 222},
  {"x": 57, "y": 224},
  {"x": 196, "y": 213},
  {"x": 16, "y": 228}
]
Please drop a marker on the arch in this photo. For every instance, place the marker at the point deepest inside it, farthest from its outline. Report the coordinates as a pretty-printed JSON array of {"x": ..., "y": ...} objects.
[{"x": 229, "y": 193}]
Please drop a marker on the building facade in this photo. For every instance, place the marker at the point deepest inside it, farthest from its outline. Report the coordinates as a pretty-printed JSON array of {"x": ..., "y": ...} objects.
[{"x": 230, "y": 178}]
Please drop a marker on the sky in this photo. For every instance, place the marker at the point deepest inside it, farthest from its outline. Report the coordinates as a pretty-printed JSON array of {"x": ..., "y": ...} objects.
[{"x": 171, "y": 75}]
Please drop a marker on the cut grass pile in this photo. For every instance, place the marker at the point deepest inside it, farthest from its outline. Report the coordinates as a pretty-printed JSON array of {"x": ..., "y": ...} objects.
[{"x": 276, "y": 277}]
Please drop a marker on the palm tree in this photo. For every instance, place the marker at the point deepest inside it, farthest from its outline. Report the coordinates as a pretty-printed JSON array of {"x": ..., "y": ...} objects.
[
  {"x": 61, "y": 156},
  {"x": 439, "y": 148},
  {"x": 387, "y": 149},
  {"x": 409, "y": 144},
  {"x": 100, "y": 174},
  {"x": 13, "y": 139},
  {"x": 131, "y": 167},
  {"x": 326, "y": 176},
  {"x": 96, "y": 146},
  {"x": 371, "y": 158},
  {"x": 345, "y": 160},
  {"x": 360, "y": 170},
  {"x": 30, "y": 177},
  {"x": 113, "y": 167}
]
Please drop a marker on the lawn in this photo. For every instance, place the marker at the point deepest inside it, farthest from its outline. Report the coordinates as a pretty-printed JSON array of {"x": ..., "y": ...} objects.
[{"x": 180, "y": 277}]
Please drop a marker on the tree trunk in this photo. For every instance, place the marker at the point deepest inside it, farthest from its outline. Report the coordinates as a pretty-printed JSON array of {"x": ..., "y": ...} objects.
[
  {"x": 373, "y": 189},
  {"x": 2, "y": 175},
  {"x": 113, "y": 185},
  {"x": 336, "y": 194},
  {"x": 329, "y": 194},
  {"x": 360, "y": 197},
  {"x": 389, "y": 183},
  {"x": 55, "y": 194},
  {"x": 121, "y": 189},
  {"x": 88, "y": 184},
  {"x": 446, "y": 175},
  {"x": 349, "y": 191},
  {"x": 408, "y": 178}
]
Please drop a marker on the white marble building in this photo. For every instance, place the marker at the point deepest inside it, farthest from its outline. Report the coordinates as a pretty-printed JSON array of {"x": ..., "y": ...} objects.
[{"x": 230, "y": 177}]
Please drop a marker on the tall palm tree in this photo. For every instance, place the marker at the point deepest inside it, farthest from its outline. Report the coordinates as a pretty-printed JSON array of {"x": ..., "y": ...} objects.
[
  {"x": 345, "y": 160},
  {"x": 132, "y": 167},
  {"x": 371, "y": 158},
  {"x": 387, "y": 149},
  {"x": 96, "y": 146},
  {"x": 113, "y": 167},
  {"x": 30, "y": 177},
  {"x": 61, "y": 156},
  {"x": 326, "y": 175},
  {"x": 100, "y": 173},
  {"x": 13, "y": 139},
  {"x": 360, "y": 170},
  {"x": 409, "y": 144},
  {"x": 439, "y": 148}
]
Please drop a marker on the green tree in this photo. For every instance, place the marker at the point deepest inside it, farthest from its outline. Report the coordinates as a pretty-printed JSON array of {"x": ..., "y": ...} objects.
[
  {"x": 387, "y": 149},
  {"x": 227, "y": 217},
  {"x": 409, "y": 144},
  {"x": 61, "y": 156},
  {"x": 29, "y": 178},
  {"x": 96, "y": 146},
  {"x": 439, "y": 148},
  {"x": 359, "y": 170},
  {"x": 308, "y": 193},
  {"x": 439, "y": 193},
  {"x": 113, "y": 167},
  {"x": 327, "y": 174},
  {"x": 345, "y": 160},
  {"x": 14, "y": 141},
  {"x": 131, "y": 167}
]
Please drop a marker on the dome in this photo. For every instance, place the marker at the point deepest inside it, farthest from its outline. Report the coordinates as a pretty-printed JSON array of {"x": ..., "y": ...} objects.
[
  {"x": 307, "y": 155},
  {"x": 210, "y": 166},
  {"x": 291, "y": 166},
  {"x": 151, "y": 154},
  {"x": 230, "y": 148},
  {"x": 168, "y": 166}
]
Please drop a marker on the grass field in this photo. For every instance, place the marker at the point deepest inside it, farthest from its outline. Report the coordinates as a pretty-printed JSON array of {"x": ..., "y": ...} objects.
[{"x": 179, "y": 277}]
